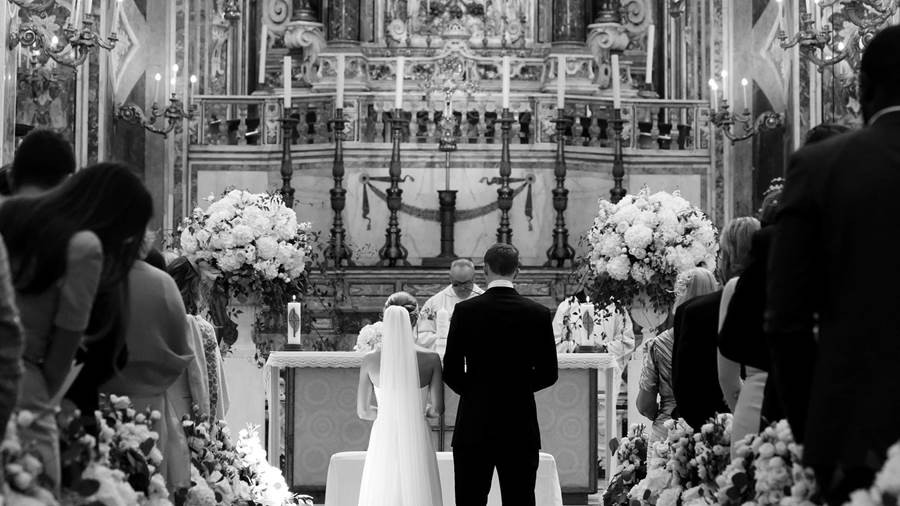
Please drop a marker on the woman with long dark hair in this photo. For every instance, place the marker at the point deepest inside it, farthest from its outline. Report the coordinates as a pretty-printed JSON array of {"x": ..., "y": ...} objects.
[{"x": 70, "y": 252}]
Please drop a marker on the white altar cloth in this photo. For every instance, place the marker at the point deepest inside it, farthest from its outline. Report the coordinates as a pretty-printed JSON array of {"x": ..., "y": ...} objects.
[{"x": 346, "y": 468}]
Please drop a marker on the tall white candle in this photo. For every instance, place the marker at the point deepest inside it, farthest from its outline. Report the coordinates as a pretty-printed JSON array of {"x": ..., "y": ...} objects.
[
  {"x": 616, "y": 83},
  {"x": 88, "y": 6},
  {"x": 73, "y": 13},
  {"x": 339, "y": 101},
  {"x": 744, "y": 83},
  {"x": 157, "y": 78},
  {"x": 398, "y": 92},
  {"x": 505, "y": 75},
  {"x": 115, "y": 17},
  {"x": 725, "y": 90},
  {"x": 561, "y": 82},
  {"x": 263, "y": 53},
  {"x": 713, "y": 94},
  {"x": 294, "y": 321},
  {"x": 286, "y": 64},
  {"x": 193, "y": 87},
  {"x": 651, "y": 36}
]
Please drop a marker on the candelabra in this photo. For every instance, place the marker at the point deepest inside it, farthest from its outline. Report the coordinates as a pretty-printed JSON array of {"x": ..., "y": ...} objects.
[
  {"x": 77, "y": 47},
  {"x": 560, "y": 253},
  {"x": 337, "y": 250},
  {"x": 505, "y": 193},
  {"x": 288, "y": 125},
  {"x": 393, "y": 252},
  {"x": 617, "y": 192},
  {"x": 173, "y": 114},
  {"x": 726, "y": 120}
]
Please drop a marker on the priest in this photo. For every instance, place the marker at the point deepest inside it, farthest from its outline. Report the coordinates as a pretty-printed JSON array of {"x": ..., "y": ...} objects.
[{"x": 434, "y": 319}]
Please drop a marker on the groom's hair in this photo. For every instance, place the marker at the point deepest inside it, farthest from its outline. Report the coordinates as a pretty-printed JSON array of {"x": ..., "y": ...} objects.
[{"x": 502, "y": 259}]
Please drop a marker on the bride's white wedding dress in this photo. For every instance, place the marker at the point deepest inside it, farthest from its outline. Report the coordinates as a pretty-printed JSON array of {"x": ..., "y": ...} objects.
[{"x": 401, "y": 466}]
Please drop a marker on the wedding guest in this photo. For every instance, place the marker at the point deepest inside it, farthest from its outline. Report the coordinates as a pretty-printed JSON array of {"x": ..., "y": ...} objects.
[
  {"x": 745, "y": 398},
  {"x": 843, "y": 400},
  {"x": 10, "y": 342},
  {"x": 159, "y": 354},
  {"x": 202, "y": 337},
  {"x": 695, "y": 376},
  {"x": 436, "y": 313},
  {"x": 42, "y": 161},
  {"x": 656, "y": 398},
  {"x": 69, "y": 250},
  {"x": 741, "y": 337}
]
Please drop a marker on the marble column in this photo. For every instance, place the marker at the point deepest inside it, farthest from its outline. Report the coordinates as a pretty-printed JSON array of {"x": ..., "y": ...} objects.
[
  {"x": 343, "y": 21},
  {"x": 9, "y": 67},
  {"x": 569, "y": 22}
]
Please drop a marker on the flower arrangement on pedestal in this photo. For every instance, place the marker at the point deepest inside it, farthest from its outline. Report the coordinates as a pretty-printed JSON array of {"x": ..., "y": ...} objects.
[
  {"x": 639, "y": 246},
  {"x": 631, "y": 456},
  {"x": 255, "y": 249}
]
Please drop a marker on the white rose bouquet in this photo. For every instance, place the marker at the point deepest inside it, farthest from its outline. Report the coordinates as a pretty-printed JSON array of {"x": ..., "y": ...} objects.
[
  {"x": 369, "y": 338},
  {"x": 642, "y": 243},
  {"x": 886, "y": 489},
  {"x": 254, "y": 248}
]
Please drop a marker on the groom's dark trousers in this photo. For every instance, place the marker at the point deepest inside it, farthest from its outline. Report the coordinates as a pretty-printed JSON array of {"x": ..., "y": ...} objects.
[{"x": 500, "y": 351}]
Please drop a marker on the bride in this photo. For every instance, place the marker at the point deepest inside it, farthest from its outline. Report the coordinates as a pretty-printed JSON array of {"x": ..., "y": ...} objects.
[{"x": 401, "y": 466}]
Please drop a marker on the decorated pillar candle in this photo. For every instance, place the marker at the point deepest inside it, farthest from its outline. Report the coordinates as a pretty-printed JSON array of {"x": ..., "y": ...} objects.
[
  {"x": 398, "y": 93},
  {"x": 293, "y": 322}
]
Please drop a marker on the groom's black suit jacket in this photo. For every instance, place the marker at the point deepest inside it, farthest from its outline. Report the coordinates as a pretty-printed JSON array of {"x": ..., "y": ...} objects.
[
  {"x": 835, "y": 256},
  {"x": 500, "y": 351}
]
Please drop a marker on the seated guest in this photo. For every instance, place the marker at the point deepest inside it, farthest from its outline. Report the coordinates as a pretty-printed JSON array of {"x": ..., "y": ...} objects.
[
  {"x": 69, "y": 250},
  {"x": 656, "y": 398},
  {"x": 159, "y": 354},
  {"x": 744, "y": 398},
  {"x": 435, "y": 322},
  {"x": 42, "y": 161},
  {"x": 695, "y": 375},
  {"x": 10, "y": 342},
  {"x": 208, "y": 357}
]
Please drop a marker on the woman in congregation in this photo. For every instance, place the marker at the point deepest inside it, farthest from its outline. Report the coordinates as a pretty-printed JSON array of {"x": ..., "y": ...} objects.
[
  {"x": 202, "y": 337},
  {"x": 66, "y": 247},
  {"x": 656, "y": 398},
  {"x": 744, "y": 398}
]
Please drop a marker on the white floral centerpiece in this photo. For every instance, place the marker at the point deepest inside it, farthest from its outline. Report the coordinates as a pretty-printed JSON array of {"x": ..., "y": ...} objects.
[
  {"x": 639, "y": 246},
  {"x": 369, "y": 338},
  {"x": 886, "y": 489},
  {"x": 254, "y": 247}
]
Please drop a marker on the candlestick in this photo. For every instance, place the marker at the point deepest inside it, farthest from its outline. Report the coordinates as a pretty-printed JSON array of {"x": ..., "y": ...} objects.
[
  {"x": 294, "y": 311},
  {"x": 616, "y": 83},
  {"x": 651, "y": 36},
  {"x": 561, "y": 82},
  {"x": 398, "y": 93},
  {"x": 339, "y": 102},
  {"x": 263, "y": 53},
  {"x": 115, "y": 18},
  {"x": 744, "y": 84},
  {"x": 505, "y": 73},
  {"x": 286, "y": 72},
  {"x": 713, "y": 94},
  {"x": 157, "y": 78}
]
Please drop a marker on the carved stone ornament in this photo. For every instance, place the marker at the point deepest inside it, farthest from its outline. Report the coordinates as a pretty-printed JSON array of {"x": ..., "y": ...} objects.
[
  {"x": 308, "y": 36},
  {"x": 607, "y": 37}
]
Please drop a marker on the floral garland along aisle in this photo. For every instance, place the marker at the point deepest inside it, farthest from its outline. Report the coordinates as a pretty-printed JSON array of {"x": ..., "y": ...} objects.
[{"x": 113, "y": 459}]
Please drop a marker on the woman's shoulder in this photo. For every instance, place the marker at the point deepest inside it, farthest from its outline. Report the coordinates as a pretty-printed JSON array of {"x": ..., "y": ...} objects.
[{"x": 84, "y": 244}]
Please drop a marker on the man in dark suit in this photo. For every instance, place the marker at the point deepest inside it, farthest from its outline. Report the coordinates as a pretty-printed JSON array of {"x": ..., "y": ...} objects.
[
  {"x": 500, "y": 351},
  {"x": 695, "y": 374},
  {"x": 832, "y": 265}
]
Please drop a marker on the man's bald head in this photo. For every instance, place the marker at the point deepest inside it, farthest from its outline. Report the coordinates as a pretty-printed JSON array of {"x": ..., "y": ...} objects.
[{"x": 462, "y": 277}]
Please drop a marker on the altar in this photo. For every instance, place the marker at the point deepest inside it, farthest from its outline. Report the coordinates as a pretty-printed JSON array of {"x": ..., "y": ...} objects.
[{"x": 321, "y": 420}]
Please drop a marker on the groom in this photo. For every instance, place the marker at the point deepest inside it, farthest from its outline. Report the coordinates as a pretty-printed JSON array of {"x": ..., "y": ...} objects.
[{"x": 500, "y": 351}]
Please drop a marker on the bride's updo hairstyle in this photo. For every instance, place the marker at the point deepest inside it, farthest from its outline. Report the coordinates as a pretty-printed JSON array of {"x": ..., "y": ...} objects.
[{"x": 407, "y": 301}]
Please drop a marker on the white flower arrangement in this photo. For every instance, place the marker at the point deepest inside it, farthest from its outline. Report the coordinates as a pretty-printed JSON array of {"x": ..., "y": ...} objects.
[
  {"x": 886, "y": 489},
  {"x": 252, "y": 234},
  {"x": 267, "y": 487},
  {"x": 642, "y": 243},
  {"x": 369, "y": 338}
]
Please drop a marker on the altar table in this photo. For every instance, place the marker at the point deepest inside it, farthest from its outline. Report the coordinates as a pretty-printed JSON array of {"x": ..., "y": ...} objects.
[
  {"x": 346, "y": 468},
  {"x": 321, "y": 420}
]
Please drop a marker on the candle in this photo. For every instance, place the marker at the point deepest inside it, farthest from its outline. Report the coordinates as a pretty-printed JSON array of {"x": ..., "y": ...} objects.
[
  {"x": 616, "y": 83},
  {"x": 286, "y": 72},
  {"x": 88, "y": 6},
  {"x": 293, "y": 322},
  {"x": 588, "y": 112},
  {"x": 561, "y": 82},
  {"x": 713, "y": 94},
  {"x": 115, "y": 18},
  {"x": 505, "y": 75},
  {"x": 157, "y": 78},
  {"x": 263, "y": 53},
  {"x": 193, "y": 86},
  {"x": 339, "y": 102},
  {"x": 73, "y": 13},
  {"x": 725, "y": 90},
  {"x": 744, "y": 83},
  {"x": 398, "y": 93},
  {"x": 651, "y": 36}
]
